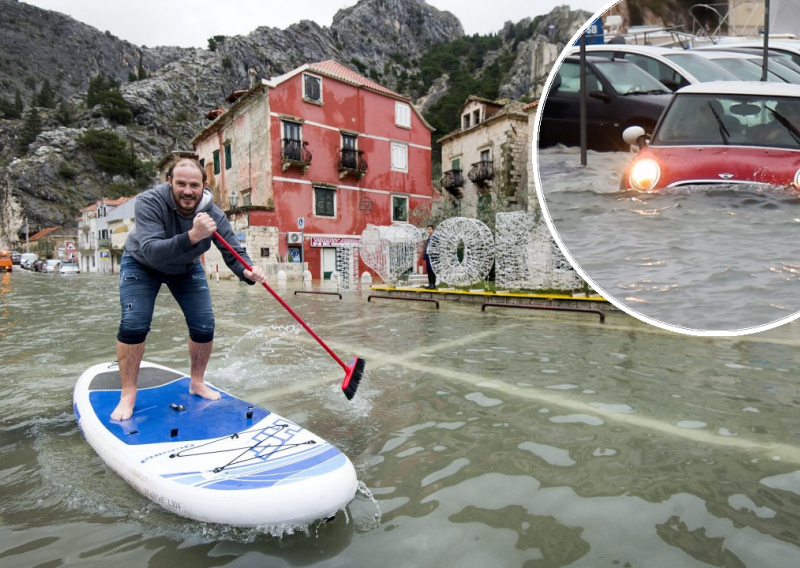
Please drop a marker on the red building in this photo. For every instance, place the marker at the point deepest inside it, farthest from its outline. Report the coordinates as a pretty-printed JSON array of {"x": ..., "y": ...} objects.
[{"x": 322, "y": 144}]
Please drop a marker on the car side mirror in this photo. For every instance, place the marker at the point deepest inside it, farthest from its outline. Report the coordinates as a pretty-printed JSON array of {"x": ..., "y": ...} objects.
[
  {"x": 600, "y": 95},
  {"x": 635, "y": 136}
]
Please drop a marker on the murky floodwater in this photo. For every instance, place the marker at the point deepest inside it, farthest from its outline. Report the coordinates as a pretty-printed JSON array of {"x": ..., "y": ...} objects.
[
  {"x": 701, "y": 258},
  {"x": 487, "y": 439}
]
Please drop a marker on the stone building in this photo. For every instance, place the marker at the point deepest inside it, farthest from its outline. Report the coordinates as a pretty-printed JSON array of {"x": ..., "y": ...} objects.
[
  {"x": 51, "y": 242},
  {"x": 485, "y": 162},
  {"x": 532, "y": 200}
]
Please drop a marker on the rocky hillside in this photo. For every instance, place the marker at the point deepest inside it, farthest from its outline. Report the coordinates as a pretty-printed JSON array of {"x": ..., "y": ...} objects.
[
  {"x": 37, "y": 44},
  {"x": 56, "y": 175}
]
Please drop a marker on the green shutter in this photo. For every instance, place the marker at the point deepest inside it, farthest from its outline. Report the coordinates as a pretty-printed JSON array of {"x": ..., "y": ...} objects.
[
  {"x": 216, "y": 162},
  {"x": 228, "y": 160}
]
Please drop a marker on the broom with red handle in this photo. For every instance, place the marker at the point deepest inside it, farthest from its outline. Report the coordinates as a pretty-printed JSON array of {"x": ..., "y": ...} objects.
[{"x": 352, "y": 372}]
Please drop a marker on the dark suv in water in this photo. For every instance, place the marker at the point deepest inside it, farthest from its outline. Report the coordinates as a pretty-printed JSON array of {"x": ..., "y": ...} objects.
[{"x": 620, "y": 94}]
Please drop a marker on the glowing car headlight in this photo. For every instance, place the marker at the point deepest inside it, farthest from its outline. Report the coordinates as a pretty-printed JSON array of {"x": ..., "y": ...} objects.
[
  {"x": 796, "y": 181},
  {"x": 645, "y": 174}
]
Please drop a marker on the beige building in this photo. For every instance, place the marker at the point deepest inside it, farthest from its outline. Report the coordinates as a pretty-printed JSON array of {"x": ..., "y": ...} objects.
[{"x": 485, "y": 162}]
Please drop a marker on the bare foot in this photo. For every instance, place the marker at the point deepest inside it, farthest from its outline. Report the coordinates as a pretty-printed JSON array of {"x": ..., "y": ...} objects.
[
  {"x": 204, "y": 391},
  {"x": 124, "y": 409}
]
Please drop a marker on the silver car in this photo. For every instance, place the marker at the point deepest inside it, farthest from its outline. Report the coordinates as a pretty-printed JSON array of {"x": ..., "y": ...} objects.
[{"x": 51, "y": 266}]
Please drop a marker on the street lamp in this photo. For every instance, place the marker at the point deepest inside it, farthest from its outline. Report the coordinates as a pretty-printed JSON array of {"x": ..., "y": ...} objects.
[{"x": 234, "y": 199}]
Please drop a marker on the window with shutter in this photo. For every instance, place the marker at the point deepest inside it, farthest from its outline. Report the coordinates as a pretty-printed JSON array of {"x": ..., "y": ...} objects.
[
  {"x": 216, "y": 162},
  {"x": 324, "y": 202},
  {"x": 312, "y": 88},
  {"x": 228, "y": 158},
  {"x": 399, "y": 157},
  {"x": 402, "y": 115}
]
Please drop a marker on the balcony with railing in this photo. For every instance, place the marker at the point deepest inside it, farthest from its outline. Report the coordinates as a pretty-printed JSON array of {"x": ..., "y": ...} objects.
[
  {"x": 481, "y": 172},
  {"x": 352, "y": 163},
  {"x": 453, "y": 181},
  {"x": 294, "y": 153}
]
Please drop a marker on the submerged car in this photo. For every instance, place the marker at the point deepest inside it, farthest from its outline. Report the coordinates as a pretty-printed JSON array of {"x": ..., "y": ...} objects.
[
  {"x": 619, "y": 93},
  {"x": 69, "y": 268},
  {"x": 50, "y": 266},
  {"x": 721, "y": 133}
]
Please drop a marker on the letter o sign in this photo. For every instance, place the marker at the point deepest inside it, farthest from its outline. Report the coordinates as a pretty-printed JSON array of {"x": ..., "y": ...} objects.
[{"x": 468, "y": 239}]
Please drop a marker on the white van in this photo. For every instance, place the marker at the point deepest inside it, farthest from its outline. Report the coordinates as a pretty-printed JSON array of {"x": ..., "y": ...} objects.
[{"x": 26, "y": 260}]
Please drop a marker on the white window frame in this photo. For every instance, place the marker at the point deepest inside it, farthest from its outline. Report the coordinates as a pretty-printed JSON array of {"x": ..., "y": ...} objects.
[
  {"x": 305, "y": 98},
  {"x": 401, "y": 196},
  {"x": 399, "y": 146},
  {"x": 402, "y": 114}
]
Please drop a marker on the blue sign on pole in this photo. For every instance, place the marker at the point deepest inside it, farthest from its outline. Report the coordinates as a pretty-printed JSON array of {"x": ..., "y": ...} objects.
[{"x": 595, "y": 35}]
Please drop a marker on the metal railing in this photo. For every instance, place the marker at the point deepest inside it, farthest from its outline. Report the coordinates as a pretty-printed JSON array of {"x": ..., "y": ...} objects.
[
  {"x": 352, "y": 160},
  {"x": 295, "y": 151},
  {"x": 452, "y": 181},
  {"x": 382, "y": 297},
  {"x": 548, "y": 308},
  {"x": 481, "y": 171}
]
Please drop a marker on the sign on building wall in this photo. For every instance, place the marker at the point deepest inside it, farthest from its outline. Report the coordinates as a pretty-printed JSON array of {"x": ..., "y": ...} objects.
[{"x": 335, "y": 242}]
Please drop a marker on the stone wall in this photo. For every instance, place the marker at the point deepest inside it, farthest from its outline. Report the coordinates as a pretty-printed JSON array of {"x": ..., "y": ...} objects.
[{"x": 256, "y": 241}]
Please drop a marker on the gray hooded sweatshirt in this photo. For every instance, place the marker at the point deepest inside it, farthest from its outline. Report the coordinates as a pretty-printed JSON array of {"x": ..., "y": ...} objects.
[{"x": 161, "y": 238}]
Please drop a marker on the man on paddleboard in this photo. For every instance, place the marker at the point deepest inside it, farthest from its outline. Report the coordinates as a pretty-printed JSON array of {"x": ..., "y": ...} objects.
[{"x": 175, "y": 222}]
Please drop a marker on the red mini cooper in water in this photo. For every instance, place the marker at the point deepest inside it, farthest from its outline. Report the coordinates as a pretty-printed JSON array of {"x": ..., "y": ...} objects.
[{"x": 732, "y": 132}]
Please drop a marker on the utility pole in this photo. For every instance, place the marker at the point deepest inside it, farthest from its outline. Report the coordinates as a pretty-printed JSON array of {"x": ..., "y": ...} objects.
[
  {"x": 583, "y": 98},
  {"x": 27, "y": 241},
  {"x": 765, "y": 62}
]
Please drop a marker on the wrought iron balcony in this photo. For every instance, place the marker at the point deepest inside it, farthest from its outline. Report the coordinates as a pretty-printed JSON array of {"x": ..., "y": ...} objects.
[
  {"x": 352, "y": 162},
  {"x": 294, "y": 153},
  {"x": 452, "y": 180},
  {"x": 481, "y": 172}
]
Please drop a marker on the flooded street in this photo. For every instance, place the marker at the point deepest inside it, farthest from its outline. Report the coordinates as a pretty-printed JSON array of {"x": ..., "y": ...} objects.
[
  {"x": 485, "y": 439},
  {"x": 701, "y": 258}
]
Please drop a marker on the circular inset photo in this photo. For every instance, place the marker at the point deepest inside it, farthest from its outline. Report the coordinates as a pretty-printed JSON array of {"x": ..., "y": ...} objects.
[{"x": 670, "y": 172}]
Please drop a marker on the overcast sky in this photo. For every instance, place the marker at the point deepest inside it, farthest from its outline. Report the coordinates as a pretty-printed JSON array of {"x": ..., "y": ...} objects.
[{"x": 190, "y": 23}]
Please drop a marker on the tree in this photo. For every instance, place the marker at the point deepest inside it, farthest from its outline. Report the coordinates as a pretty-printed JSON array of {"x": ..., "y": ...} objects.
[
  {"x": 46, "y": 97},
  {"x": 141, "y": 72},
  {"x": 109, "y": 152},
  {"x": 63, "y": 114},
  {"x": 30, "y": 130},
  {"x": 105, "y": 92},
  {"x": 18, "y": 106},
  {"x": 6, "y": 108}
]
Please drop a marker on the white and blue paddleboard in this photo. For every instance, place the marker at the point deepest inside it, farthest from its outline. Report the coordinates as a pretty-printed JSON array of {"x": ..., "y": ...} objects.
[{"x": 223, "y": 461}]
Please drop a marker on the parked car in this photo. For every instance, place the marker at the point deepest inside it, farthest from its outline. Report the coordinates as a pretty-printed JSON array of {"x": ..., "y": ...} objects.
[
  {"x": 26, "y": 260},
  {"x": 778, "y": 64},
  {"x": 50, "y": 266},
  {"x": 740, "y": 64},
  {"x": 620, "y": 94},
  {"x": 675, "y": 68},
  {"x": 15, "y": 257},
  {"x": 721, "y": 133},
  {"x": 69, "y": 268},
  {"x": 788, "y": 47}
]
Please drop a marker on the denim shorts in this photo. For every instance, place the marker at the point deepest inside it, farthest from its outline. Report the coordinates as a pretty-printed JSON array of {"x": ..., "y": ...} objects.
[{"x": 138, "y": 288}]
